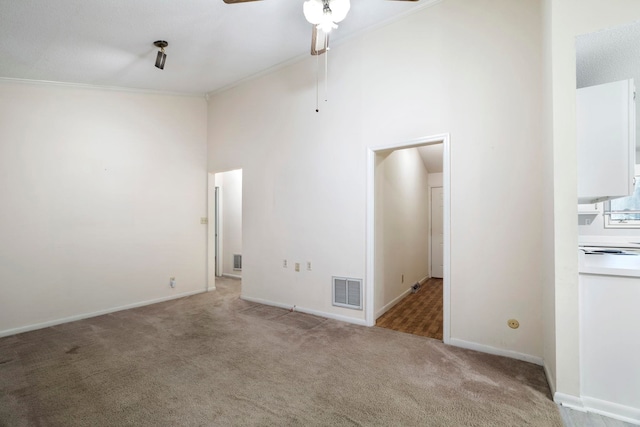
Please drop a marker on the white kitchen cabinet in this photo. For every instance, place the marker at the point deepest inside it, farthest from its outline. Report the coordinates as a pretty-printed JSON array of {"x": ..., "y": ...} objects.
[
  {"x": 606, "y": 134},
  {"x": 609, "y": 344}
]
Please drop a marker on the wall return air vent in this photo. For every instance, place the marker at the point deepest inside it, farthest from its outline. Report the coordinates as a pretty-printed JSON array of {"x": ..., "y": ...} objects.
[
  {"x": 347, "y": 292},
  {"x": 237, "y": 262}
]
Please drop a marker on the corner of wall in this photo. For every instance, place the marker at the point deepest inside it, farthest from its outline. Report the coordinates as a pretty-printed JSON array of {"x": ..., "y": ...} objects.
[{"x": 551, "y": 380}]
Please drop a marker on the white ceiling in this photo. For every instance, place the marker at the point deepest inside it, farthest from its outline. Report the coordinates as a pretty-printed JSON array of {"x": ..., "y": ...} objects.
[
  {"x": 212, "y": 45},
  {"x": 432, "y": 157},
  {"x": 608, "y": 56}
]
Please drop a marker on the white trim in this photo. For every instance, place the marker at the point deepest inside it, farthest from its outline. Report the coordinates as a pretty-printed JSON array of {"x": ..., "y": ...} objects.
[
  {"x": 612, "y": 410},
  {"x": 369, "y": 283},
  {"x": 550, "y": 379},
  {"x": 412, "y": 143},
  {"x": 370, "y": 225},
  {"x": 396, "y": 300},
  {"x": 333, "y": 316},
  {"x": 424, "y": 280},
  {"x": 497, "y": 351},
  {"x": 211, "y": 252},
  {"x": 233, "y": 276},
  {"x": 42, "y": 325},
  {"x": 97, "y": 87},
  {"x": 446, "y": 280},
  {"x": 569, "y": 401}
]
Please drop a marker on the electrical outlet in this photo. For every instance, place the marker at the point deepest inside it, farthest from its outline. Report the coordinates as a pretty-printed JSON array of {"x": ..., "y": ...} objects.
[
  {"x": 172, "y": 282},
  {"x": 308, "y": 265},
  {"x": 513, "y": 323},
  {"x": 284, "y": 263},
  {"x": 297, "y": 266}
]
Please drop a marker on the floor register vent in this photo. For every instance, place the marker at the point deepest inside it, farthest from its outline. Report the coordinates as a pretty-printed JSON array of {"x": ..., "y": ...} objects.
[{"x": 347, "y": 292}]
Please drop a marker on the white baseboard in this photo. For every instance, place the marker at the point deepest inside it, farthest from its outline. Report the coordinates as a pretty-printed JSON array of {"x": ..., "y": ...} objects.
[
  {"x": 497, "y": 351},
  {"x": 616, "y": 411},
  {"x": 612, "y": 410},
  {"x": 393, "y": 302},
  {"x": 233, "y": 276},
  {"x": 333, "y": 316},
  {"x": 397, "y": 299},
  {"x": 14, "y": 331},
  {"x": 550, "y": 379},
  {"x": 569, "y": 401}
]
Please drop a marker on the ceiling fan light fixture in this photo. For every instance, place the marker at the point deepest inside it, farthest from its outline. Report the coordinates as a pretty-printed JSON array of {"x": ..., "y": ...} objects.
[
  {"x": 326, "y": 13},
  {"x": 327, "y": 25}
]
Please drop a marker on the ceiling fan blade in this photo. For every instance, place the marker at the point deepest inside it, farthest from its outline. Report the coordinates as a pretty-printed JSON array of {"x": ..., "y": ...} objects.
[
  {"x": 319, "y": 41},
  {"x": 237, "y": 1}
]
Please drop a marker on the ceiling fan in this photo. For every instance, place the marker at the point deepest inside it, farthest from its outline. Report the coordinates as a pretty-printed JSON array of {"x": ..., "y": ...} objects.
[{"x": 324, "y": 15}]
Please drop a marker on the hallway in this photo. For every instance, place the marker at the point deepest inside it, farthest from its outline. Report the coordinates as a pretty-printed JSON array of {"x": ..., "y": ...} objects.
[{"x": 418, "y": 313}]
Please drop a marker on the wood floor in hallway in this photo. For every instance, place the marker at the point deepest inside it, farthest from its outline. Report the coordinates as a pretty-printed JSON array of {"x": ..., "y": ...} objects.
[{"x": 419, "y": 313}]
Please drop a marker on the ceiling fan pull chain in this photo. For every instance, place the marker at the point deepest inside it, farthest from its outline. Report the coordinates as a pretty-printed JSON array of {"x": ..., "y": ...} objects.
[
  {"x": 326, "y": 67},
  {"x": 317, "y": 81}
]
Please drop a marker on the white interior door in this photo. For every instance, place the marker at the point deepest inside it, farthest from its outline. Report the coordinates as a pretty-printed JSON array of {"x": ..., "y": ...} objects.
[{"x": 437, "y": 232}]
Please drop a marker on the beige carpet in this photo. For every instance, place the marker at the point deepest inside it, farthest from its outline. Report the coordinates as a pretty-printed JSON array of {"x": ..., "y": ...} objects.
[{"x": 215, "y": 360}]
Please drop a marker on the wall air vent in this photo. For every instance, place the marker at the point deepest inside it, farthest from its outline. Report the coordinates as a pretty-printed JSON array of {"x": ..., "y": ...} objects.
[
  {"x": 237, "y": 262},
  {"x": 347, "y": 292}
]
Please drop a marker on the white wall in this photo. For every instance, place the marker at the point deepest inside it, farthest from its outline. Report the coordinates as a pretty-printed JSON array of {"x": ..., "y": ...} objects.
[
  {"x": 230, "y": 185},
  {"x": 102, "y": 194},
  {"x": 564, "y": 20},
  {"x": 435, "y": 180},
  {"x": 402, "y": 225},
  {"x": 468, "y": 67}
]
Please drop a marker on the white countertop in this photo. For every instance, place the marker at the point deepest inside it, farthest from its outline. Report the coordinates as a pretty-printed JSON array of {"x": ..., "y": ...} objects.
[{"x": 609, "y": 264}]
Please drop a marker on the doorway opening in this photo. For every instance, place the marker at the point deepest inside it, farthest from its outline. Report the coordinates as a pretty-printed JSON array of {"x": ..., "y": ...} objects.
[
  {"x": 224, "y": 240},
  {"x": 408, "y": 228}
]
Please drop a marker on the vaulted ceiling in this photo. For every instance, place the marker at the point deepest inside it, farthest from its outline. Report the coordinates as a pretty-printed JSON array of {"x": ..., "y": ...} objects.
[{"x": 212, "y": 45}]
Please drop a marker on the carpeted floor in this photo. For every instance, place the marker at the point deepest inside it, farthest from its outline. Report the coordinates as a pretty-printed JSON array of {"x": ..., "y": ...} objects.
[
  {"x": 215, "y": 360},
  {"x": 419, "y": 313}
]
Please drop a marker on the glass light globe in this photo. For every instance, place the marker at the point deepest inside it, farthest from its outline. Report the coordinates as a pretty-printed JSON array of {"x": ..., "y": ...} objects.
[
  {"x": 339, "y": 9},
  {"x": 313, "y": 11}
]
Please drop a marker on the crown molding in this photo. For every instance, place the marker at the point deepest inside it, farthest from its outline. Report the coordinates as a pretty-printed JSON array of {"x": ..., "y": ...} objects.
[{"x": 98, "y": 87}]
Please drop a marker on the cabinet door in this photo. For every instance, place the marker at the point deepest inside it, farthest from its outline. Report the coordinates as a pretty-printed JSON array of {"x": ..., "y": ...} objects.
[
  {"x": 609, "y": 344},
  {"x": 605, "y": 117}
]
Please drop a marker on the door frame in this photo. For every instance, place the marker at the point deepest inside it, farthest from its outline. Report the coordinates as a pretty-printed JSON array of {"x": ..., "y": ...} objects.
[
  {"x": 444, "y": 139},
  {"x": 431, "y": 228},
  {"x": 216, "y": 233},
  {"x": 212, "y": 218}
]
